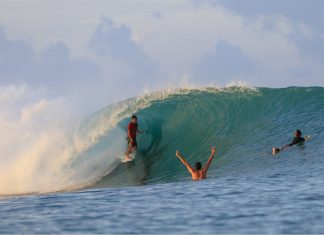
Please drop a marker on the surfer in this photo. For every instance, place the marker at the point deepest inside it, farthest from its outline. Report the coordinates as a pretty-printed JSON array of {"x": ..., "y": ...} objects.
[
  {"x": 197, "y": 173},
  {"x": 132, "y": 130},
  {"x": 298, "y": 139}
]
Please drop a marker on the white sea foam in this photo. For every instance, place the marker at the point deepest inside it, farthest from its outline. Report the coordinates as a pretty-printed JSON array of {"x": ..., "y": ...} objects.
[{"x": 46, "y": 147}]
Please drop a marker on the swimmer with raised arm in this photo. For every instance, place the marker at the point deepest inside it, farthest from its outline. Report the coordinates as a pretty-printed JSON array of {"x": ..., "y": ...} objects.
[{"x": 197, "y": 173}]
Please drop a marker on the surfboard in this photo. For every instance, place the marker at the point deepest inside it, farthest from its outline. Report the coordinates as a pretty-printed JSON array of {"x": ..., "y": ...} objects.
[{"x": 131, "y": 158}]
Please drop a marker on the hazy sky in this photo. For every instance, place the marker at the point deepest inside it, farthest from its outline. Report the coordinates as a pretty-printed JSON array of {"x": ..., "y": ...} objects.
[
  {"x": 63, "y": 60},
  {"x": 122, "y": 47}
]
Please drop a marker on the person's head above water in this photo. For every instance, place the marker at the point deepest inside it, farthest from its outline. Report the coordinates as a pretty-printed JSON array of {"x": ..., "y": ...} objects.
[
  {"x": 198, "y": 166},
  {"x": 298, "y": 133}
]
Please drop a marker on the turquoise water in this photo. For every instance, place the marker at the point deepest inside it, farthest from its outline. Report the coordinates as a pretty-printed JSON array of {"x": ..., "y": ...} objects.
[{"x": 247, "y": 191}]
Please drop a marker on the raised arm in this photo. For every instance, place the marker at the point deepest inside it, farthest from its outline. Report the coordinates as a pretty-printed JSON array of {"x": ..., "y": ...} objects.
[
  {"x": 190, "y": 169},
  {"x": 210, "y": 159}
]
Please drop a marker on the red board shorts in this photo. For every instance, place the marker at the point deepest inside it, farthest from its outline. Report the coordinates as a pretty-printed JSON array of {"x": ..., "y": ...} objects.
[{"x": 132, "y": 144}]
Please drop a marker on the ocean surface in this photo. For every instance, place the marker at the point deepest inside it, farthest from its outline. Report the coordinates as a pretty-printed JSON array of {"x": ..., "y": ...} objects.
[{"x": 248, "y": 190}]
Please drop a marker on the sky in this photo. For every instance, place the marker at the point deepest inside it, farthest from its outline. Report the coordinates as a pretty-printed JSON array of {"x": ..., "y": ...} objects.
[
  {"x": 121, "y": 48},
  {"x": 61, "y": 61}
]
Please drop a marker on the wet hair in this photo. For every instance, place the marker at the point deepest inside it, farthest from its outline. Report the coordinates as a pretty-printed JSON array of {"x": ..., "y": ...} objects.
[
  {"x": 298, "y": 132},
  {"x": 198, "y": 166},
  {"x": 134, "y": 116}
]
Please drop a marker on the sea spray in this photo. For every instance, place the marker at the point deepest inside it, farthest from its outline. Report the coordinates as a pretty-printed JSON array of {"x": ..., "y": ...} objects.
[{"x": 45, "y": 148}]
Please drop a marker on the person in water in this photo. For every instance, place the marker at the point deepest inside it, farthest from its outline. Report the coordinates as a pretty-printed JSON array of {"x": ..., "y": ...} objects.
[
  {"x": 132, "y": 131},
  {"x": 197, "y": 173},
  {"x": 298, "y": 139}
]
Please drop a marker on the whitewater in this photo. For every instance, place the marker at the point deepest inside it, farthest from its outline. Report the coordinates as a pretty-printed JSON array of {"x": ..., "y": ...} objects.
[{"x": 74, "y": 167}]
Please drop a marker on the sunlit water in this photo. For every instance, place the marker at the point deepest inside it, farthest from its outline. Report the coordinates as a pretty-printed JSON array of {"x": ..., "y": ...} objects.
[
  {"x": 280, "y": 201},
  {"x": 247, "y": 191}
]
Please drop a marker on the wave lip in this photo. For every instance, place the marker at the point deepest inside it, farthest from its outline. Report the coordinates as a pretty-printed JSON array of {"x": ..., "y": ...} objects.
[{"x": 243, "y": 122}]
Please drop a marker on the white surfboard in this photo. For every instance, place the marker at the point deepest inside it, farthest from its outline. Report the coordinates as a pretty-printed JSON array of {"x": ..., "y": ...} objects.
[{"x": 130, "y": 159}]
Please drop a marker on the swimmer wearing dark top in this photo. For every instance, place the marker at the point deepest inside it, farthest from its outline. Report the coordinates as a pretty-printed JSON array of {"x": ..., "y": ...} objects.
[{"x": 298, "y": 139}]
